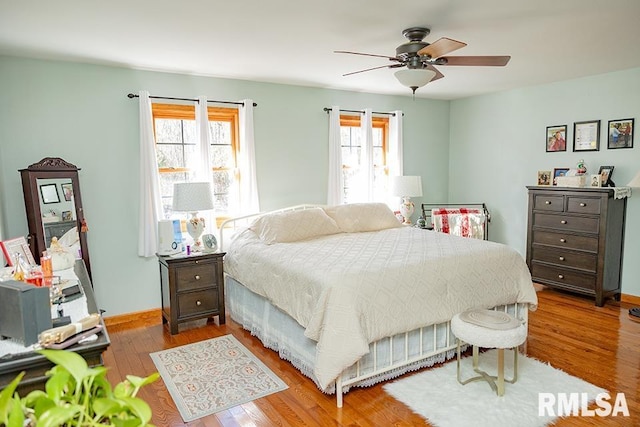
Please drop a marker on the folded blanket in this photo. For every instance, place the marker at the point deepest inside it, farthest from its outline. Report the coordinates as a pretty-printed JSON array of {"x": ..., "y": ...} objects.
[{"x": 465, "y": 222}]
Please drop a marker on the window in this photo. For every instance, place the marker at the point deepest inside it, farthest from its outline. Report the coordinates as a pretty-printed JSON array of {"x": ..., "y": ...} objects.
[
  {"x": 175, "y": 134},
  {"x": 351, "y": 141}
]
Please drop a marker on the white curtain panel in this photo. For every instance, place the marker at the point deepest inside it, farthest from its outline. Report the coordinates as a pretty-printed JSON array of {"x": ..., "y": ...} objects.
[
  {"x": 396, "y": 166},
  {"x": 366, "y": 163},
  {"x": 336, "y": 178},
  {"x": 150, "y": 210},
  {"x": 203, "y": 168},
  {"x": 248, "y": 197}
]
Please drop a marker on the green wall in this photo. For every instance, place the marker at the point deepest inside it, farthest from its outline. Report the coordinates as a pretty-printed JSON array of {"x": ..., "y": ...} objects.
[
  {"x": 81, "y": 113},
  {"x": 498, "y": 145}
]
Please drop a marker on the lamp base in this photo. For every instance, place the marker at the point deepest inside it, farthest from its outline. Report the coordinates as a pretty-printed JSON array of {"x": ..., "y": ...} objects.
[
  {"x": 406, "y": 209},
  {"x": 195, "y": 228}
]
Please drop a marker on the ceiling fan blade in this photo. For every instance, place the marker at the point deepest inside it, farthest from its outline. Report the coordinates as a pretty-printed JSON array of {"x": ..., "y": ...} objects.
[
  {"x": 374, "y": 68},
  {"x": 393, "y": 58},
  {"x": 441, "y": 47},
  {"x": 491, "y": 61},
  {"x": 438, "y": 75}
]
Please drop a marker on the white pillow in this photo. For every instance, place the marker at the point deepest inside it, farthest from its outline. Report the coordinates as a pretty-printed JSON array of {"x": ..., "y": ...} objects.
[
  {"x": 357, "y": 217},
  {"x": 292, "y": 226}
]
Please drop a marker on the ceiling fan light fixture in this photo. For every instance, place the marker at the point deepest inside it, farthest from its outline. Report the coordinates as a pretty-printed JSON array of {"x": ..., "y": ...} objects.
[{"x": 414, "y": 78}]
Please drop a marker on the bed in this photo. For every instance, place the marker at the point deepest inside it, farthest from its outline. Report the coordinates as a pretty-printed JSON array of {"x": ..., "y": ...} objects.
[{"x": 351, "y": 297}]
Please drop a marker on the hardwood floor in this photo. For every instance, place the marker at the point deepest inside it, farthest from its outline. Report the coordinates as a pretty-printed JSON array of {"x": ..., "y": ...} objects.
[{"x": 598, "y": 344}]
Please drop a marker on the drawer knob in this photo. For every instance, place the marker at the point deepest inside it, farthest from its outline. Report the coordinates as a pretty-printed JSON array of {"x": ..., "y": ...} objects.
[
  {"x": 563, "y": 240},
  {"x": 563, "y": 222},
  {"x": 560, "y": 276},
  {"x": 197, "y": 262},
  {"x": 198, "y": 303},
  {"x": 197, "y": 277},
  {"x": 548, "y": 202},
  {"x": 582, "y": 205},
  {"x": 561, "y": 258}
]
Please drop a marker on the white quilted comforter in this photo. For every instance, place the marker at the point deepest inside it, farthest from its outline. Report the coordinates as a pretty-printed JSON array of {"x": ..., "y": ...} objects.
[{"x": 350, "y": 289}]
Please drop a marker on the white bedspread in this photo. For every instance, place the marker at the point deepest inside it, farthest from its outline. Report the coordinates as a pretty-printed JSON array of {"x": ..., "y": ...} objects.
[{"x": 351, "y": 289}]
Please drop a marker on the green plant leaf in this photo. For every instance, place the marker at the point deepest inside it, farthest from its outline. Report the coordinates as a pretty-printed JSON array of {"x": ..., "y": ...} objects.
[
  {"x": 106, "y": 407},
  {"x": 16, "y": 416},
  {"x": 59, "y": 415},
  {"x": 5, "y": 398},
  {"x": 55, "y": 385},
  {"x": 140, "y": 408},
  {"x": 71, "y": 361},
  {"x": 139, "y": 382}
]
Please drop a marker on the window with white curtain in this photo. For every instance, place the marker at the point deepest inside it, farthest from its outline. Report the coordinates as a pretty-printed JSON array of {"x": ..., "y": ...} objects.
[
  {"x": 176, "y": 143},
  {"x": 351, "y": 142}
]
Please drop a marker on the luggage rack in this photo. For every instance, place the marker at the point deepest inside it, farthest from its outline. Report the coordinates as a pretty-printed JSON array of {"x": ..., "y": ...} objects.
[{"x": 427, "y": 207}]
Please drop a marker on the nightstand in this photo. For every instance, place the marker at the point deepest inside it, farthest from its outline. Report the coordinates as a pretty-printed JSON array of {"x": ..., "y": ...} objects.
[{"x": 192, "y": 288}]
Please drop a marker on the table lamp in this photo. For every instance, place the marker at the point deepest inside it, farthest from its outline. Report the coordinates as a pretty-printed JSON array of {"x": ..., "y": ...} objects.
[
  {"x": 406, "y": 187},
  {"x": 635, "y": 183},
  {"x": 193, "y": 197}
]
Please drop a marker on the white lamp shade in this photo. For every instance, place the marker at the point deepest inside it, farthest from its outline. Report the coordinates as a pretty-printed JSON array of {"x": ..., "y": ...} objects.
[
  {"x": 635, "y": 182},
  {"x": 415, "y": 77},
  {"x": 192, "y": 197},
  {"x": 406, "y": 186}
]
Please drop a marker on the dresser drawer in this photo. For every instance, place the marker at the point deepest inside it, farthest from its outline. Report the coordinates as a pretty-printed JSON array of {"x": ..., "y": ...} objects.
[
  {"x": 547, "y": 202},
  {"x": 562, "y": 276},
  {"x": 195, "y": 276},
  {"x": 564, "y": 240},
  {"x": 566, "y": 222},
  {"x": 195, "y": 303},
  {"x": 586, "y": 205},
  {"x": 560, "y": 257}
]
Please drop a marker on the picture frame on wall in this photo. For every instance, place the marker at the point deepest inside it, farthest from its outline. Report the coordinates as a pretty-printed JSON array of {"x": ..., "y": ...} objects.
[
  {"x": 556, "y": 138},
  {"x": 544, "y": 178},
  {"x": 49, "y": 193},
  {"x": 67, "y": 191},
  {"x": 586, "y": 136},
  {"x": 557, "y": 172},
  {"x": 620, "y": 133}
]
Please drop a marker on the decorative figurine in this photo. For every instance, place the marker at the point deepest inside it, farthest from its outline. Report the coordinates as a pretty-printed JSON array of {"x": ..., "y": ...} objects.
[{"x": 582, "y": 169}]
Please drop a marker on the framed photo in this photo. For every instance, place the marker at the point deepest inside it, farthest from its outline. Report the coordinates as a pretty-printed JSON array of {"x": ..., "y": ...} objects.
[
  {"x": 595, "y": 181},
  {"x": 66, "y": 216},
  {"x": 556, "y": 138},
  {"x": 559, "y": 172},
  {"x": 620, "y": 133},
  {"x": 586, "y": 136},
  {"x": 605, "y": 173},
  {"x": 67, "y": 191},
  {"x": 544, "y": 177},
  {"x": 15, "y": 246},
  {"x": 49, "y": 193}
]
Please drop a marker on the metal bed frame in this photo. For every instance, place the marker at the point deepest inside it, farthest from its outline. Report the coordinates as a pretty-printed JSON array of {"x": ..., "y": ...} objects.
[{"x": 427, "y": 207}]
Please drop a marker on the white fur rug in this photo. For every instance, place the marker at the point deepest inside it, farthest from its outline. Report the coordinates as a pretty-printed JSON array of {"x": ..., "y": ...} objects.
[{"x": 436, "y": 395}]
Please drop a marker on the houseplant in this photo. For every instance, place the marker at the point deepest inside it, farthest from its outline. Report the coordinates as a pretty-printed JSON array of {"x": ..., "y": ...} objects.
[{"x": 76, "y": 395}]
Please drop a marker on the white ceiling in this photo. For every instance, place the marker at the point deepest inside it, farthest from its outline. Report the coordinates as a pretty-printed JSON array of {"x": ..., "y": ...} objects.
[{"x": 289, "y": 41}]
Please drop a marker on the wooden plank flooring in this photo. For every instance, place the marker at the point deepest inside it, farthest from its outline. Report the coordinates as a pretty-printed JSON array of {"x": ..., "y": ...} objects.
[{"x": 598, "y": 344}]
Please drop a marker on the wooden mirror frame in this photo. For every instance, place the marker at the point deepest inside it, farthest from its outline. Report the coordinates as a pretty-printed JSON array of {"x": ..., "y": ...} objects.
[{"x": 51, "y": 168}]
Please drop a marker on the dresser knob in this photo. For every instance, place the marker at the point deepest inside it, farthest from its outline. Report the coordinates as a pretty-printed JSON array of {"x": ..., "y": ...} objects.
[
  {"x": 582, "y": 205},
  {"x": 197, "y": 277},
  {"x": 560, "y": 276},
  {"x": 197, "y": 262},
  {"x": 563, "y": 222},
  {"x": 548, "y": 202},
  {"x": 198, "y": 303},
  {"x": 561, "y": 258},
  {"x": 563, "y": 241}
]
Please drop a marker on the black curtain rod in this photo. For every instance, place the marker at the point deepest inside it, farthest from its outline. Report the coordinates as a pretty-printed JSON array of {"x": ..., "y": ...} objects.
[
  {"x": 133, "y": 95},
  {"x": 327, "y": 109}
]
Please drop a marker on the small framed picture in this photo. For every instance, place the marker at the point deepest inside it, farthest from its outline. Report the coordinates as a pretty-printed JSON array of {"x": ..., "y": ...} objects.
[
  {"x": 595, "y": 181},
  {"x": 544, "y": 177},
  {"x": 620, "y": 133},
  {"x": 66, "y": 216},
  {"x": 605, "y": 173},
  {"x": 17, "y": 248},
  {"x": 559, "y": 172},
  {"x": 586, "y": 136},
  {"x": 67, "y": 191},
  {"x": 556, "y": 138},
  {"x": 49, "y": 193}
]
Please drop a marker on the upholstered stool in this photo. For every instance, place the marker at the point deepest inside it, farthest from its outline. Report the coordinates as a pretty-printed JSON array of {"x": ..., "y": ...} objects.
[{"x": 489, "y": 329}]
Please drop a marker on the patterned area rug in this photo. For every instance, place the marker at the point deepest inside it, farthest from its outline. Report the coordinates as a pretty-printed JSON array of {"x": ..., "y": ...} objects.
[
  {"x": 437, "y": 396},
  {"x": 214, "y": 375}
]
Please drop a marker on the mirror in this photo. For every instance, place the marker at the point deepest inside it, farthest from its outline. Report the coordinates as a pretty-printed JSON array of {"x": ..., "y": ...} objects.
[{"x": 54, "y": 208}]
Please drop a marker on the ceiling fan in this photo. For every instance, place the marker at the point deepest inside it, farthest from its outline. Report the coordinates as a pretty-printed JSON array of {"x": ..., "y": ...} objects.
[{"x": 419, "y": 58}]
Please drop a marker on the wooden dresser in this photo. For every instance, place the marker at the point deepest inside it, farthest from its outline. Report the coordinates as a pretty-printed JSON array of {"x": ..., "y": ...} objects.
[
  {"x": 192, "y": 288},
  {"x": 575, "y": 239}
]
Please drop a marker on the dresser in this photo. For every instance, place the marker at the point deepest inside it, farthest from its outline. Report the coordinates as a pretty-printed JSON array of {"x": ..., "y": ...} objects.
[
  {"x": 192, "y": 288},
  {"x": 575, "y": 240}
]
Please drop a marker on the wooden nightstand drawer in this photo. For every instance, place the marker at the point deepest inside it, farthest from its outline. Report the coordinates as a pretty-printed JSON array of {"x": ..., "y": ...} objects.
[
  {"x": 195, "y": 276},
  {"x": 566, "y": 222},
  {"x": 546, "y": 202},
  {"x": 586, "y": 205},
  {"x": 560, "y": 257},
  {"x": 563, "y": 276},
  {"x": 564, "y": 240},
  {"x": 200, "y": 302}
]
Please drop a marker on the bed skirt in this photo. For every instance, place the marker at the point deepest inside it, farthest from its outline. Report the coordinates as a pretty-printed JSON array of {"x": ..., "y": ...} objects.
[{"x": 388, "y": 358}]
